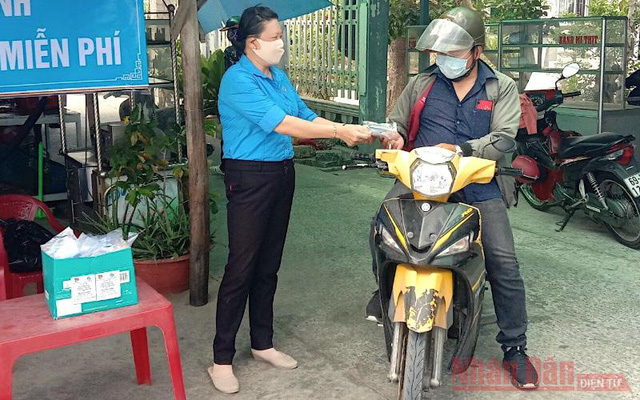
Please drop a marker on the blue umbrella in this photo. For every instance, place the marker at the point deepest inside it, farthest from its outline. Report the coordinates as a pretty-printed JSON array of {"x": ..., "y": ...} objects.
[{"x": 214, "y": 12}]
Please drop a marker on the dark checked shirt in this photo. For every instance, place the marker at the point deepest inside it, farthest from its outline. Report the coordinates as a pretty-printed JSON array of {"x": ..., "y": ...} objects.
[{"x": 445, "y": 119}]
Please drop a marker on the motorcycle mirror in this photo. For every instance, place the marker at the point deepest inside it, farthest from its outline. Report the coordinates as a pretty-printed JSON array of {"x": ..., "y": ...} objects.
[
  {"x": 504, "y": 143},
  {"x": 570, "y": 70}
]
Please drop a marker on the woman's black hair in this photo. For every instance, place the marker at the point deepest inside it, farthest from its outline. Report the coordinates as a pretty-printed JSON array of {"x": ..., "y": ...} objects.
[
  {"x": 252, "y": 24},
  {"x": 232, "y": 35}
]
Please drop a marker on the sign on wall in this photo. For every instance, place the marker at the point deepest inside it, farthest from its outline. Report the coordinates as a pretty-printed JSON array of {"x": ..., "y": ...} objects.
[
  {"x": 589, "y": 39},
  {"x": 71, "y": 46}
]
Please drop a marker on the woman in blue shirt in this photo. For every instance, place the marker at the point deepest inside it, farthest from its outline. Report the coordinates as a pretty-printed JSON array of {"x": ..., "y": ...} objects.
[{"x": 260, "y": 112}]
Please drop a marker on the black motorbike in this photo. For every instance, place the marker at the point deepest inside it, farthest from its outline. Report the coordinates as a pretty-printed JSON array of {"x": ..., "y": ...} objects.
[{"x": 597, "y": 174}]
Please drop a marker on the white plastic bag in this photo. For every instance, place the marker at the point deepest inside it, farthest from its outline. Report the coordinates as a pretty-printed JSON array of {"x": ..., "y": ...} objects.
[
  {"x": 382, "y": 130},
  {"x": 66, "y": 245}
]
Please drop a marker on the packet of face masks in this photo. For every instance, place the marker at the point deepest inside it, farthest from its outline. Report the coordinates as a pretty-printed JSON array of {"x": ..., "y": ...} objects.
[{"x": 382, "y": 130}]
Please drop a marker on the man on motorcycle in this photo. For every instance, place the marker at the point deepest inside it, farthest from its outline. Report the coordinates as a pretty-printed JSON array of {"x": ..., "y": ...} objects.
[{"x": 460, "y": 104}]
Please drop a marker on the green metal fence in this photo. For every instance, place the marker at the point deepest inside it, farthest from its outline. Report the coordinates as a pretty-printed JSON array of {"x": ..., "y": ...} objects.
[
  {"x": 323, "y": 52},
  {"x": 321, "y": 59}
]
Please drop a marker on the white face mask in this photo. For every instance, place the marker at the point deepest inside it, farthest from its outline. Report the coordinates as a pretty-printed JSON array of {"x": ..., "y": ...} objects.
[
  {"x": 270, "y": 52},
  {"x": 452, "y": 67}
]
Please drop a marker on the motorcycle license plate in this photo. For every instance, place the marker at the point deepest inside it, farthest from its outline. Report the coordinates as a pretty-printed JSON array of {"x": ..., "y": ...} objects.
[{"x": 633, "y": 183}]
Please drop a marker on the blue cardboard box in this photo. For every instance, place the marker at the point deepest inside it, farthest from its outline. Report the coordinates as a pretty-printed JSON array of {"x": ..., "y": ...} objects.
[{"x": 75, "y": 286}]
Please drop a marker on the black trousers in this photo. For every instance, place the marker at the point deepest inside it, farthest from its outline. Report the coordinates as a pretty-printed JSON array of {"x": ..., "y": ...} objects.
[{"x": 259, "y": 196}]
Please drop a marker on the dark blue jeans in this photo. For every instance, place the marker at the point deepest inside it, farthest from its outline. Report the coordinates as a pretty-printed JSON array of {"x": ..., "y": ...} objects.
[
  {"x": 503, "y": 270},
  {"x": 503, "y": 273}
]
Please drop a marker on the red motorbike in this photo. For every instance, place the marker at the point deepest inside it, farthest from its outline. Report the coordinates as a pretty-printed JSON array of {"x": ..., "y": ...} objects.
[{"x": 597, "y": 174}]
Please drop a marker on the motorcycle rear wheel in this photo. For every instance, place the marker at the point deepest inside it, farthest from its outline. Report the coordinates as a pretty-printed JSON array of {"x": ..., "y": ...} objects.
[
  {"x": 417, "y": 356},
  {"x": 615, "y": 190},
  {"x": 529, "y": 195}
]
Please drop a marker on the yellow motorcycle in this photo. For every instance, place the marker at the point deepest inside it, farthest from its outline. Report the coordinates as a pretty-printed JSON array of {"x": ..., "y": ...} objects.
[{"x": 430, "y": 263}]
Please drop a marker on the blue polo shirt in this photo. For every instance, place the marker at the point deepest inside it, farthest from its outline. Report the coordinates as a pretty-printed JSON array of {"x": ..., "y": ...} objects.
[
  {"x": 251, "y": 106},
  {"x": 446, "y": 119}
]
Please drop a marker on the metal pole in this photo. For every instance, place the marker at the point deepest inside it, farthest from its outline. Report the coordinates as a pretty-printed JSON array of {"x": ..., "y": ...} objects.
[
  {"x": 500, "y": 46},
  {"x": 603, "y": 65},
  {"x": 424, "y": 12},
  {"x": 174, "y": 72},
  {"x": 373, "y": 39},
  {"x": 39, "y": 214},
  {"x": 625, "y": 60},
  {"x": 63, "y": 128},
  {"x": 63, "y": 147},
  {"x": 96, "y": 116},
  {"x": 174, "y": 69},
  {"x": 197, "y": 155}
]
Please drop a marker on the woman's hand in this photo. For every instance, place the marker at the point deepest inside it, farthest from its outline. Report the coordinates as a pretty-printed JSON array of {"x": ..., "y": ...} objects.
[{"x": 354, "y": 134}]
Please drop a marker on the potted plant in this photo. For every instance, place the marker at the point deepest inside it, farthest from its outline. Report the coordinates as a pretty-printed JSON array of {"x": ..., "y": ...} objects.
[
  {"x": 162, "y": 249},
  {"x": 154, "y": 206}
]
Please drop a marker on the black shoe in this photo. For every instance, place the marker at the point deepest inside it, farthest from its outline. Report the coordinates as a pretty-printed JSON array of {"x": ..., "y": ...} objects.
[
  {"x": 374, "y": 309},
  {"x": 523, "y": 373}
]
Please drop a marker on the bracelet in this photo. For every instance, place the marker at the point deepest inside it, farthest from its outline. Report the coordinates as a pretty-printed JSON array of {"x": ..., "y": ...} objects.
[{"x": 335, "y": 131}]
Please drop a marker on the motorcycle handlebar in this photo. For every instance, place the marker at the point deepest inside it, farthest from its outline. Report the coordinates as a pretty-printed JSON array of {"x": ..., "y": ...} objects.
[
  {"x": 363, "y": 157},
  {"x": 548, "y": 103},
  {"x": 571, "y": 94},
  {"x": 558, "y": 99},
  {"x": 506, "y": 171},
  {"x": 359, "y": 166}
]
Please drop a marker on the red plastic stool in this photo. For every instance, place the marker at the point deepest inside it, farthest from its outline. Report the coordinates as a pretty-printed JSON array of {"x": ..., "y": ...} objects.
[
  {"x": 22, "y": 207},
  {"x": 27, "y": 327}
]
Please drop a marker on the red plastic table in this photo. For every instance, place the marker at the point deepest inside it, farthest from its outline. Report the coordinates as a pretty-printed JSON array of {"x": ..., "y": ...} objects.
[{"x": 27, "y": 327}]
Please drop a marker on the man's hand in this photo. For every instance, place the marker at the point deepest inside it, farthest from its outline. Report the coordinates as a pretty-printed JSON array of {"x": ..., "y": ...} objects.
[
  {"x": 395, "y": 143},
  {"x": 450, "y": 147}
]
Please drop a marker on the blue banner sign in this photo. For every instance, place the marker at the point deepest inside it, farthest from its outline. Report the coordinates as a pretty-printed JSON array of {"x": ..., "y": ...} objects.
[{"x": 71, "y": 46}]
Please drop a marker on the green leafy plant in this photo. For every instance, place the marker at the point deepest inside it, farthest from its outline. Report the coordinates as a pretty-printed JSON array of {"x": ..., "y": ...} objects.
[
  {"x": 161, "y": 221},
  {"x": 495, "y": 10},
  {"x": 402, "y": 13},
  {"x": 136, "y": 160},
  {"x": 165, "y": 230},
  {"x": 501, "y": 10},
  {"x": 212, "y": 71},
  {"x": 212, "y": 68}
]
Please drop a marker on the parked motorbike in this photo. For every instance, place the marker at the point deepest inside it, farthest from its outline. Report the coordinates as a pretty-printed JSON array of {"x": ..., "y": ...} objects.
[
  {"x": 597, "y": 174},
  {"x": 430, "y": 262},
  {"x": 633, "y": 82}
]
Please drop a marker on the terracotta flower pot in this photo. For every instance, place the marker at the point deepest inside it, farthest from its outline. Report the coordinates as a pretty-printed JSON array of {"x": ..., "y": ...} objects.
[{"x": 166, "y": 276}]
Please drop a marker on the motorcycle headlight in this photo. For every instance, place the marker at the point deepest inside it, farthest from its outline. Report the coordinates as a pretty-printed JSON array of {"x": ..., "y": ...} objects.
[
  {"x": 461, "y": 246},
  {"x": 388, "y": 240},
  {"x": 430, "y": 179}
]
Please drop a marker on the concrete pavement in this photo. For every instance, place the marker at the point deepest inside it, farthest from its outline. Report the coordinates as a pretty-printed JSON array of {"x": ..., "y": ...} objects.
[{"x": 582, "y": 290}]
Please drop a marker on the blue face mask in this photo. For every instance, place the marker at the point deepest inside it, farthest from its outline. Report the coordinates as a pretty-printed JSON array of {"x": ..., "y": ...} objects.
[{"x": 452, "y": 67}]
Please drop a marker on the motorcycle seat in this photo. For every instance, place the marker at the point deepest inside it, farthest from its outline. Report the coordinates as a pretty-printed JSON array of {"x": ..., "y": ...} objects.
[{"x": 588, "y": 145}]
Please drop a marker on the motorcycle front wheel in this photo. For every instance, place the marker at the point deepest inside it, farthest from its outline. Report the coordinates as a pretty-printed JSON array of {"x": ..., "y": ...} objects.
[
  {"x": 529, "y": 195},
  {"x": 615, "y": 191},
  {"x": 417, "y": 356}
]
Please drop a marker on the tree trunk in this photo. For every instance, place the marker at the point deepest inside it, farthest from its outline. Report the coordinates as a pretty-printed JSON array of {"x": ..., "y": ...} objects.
[
  {"x": 631, "y": 33},
  {"x": 468, "y": 4},
  {"x": 397, "y": 71},
  {"x": 197, "y": 155}
]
